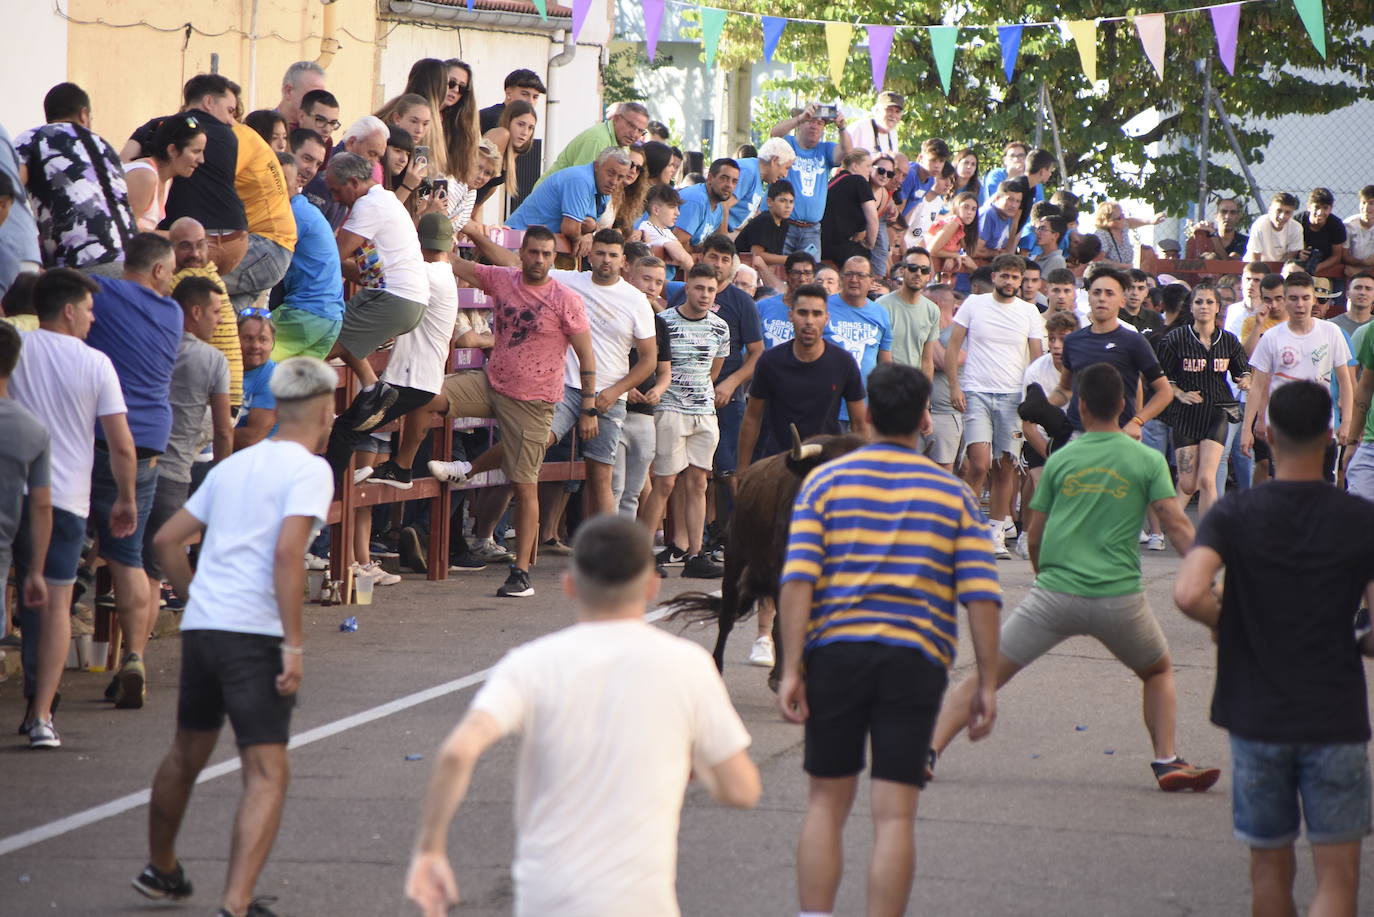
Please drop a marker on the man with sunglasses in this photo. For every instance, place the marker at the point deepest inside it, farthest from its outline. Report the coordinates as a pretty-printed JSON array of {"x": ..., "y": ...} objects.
[
  {"x": 915, "y": 319},
  {"x": 626, "y": 127}
]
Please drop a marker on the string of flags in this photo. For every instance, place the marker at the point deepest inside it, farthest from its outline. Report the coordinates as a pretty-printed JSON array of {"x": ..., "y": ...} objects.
[{"x": 944, "y": 39}]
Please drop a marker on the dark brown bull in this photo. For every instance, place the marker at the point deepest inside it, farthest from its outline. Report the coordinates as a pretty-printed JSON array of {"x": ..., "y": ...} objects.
[{"x": 756, "y": 541}]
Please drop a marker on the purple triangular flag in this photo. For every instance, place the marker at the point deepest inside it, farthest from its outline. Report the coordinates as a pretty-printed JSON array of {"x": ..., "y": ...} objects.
[
  {"x": 1226, "y": 22},
  {"x": 580, "y": 10},
  {"x": 1009, "y": 37},
  {"x": 772, "y": 31},
  {"x": 653, "y": 19},
  {"x": 879, "y": 47}
]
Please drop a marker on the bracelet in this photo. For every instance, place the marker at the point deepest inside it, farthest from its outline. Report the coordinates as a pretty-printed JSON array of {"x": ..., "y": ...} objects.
[
  {"x": 407, "y": 187},
  {"x": 1136, "y": 419},
  {"x": 293, "y": 650}
]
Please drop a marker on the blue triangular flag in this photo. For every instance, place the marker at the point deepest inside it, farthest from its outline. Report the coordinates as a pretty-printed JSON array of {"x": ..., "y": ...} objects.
[
  {"x": 772, "y": 31},
  {"x": 1009, "y": 37}
]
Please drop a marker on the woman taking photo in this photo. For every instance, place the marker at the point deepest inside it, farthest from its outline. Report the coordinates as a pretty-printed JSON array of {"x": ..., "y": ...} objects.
[
  {"x": 178, "y": 149},
  {"x": 429, "y": 79}
]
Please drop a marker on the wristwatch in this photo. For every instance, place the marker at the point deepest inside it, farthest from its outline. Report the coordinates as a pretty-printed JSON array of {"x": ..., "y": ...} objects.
[{"x": 591, "y": 412}]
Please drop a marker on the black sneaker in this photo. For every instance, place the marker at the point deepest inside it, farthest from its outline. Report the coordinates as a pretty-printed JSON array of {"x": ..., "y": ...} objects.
[
  {"x": 392, "y": 475},
  {"x": 467, "y": 562},
  {"x": 412, "y": 551},
  {"x": 158, "y": 885},
  {"x": 700, "y": 566},
  {"x": 27, "y": 722},
  {"x": 516, "y": 586},
  {"x": 671, "y": 556},
  {"x": 257, "y": 909},
  {"x": 369, "y": 408}
]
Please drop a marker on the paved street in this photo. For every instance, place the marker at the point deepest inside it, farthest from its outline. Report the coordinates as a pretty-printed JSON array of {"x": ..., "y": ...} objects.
[{"x": 1055, "y": 814}]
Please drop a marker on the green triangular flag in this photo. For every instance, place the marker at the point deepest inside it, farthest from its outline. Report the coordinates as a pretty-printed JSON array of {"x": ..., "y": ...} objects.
[
  {"x": 943, "y": 39},
  {"x": 1314, "y": 19},
  {"x": 712, "y": 21},
  {"x": 543, "y": 7}
]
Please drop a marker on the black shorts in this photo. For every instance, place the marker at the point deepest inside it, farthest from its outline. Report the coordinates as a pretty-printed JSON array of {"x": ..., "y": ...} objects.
[
  {"x": 235, "y": 674},
  {"x": 1213, "y": 424},
  {"x": 888, "y": 694}
]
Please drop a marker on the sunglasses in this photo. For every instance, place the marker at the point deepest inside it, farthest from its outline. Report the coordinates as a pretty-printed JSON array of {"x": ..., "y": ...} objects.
[
  {"x": 886, "y": 173},
  {"x": 253, "y": 312},
  {"x": 918, "y": 268},
  {"x": 454, "y": 84}
]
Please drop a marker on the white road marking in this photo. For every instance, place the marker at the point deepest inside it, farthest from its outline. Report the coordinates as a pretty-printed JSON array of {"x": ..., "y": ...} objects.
[{"x": 133, "y": 800}]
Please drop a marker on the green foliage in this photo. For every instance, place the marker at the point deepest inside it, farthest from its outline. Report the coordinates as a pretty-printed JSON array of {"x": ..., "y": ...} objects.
[{"x": 1278, "y": 72}]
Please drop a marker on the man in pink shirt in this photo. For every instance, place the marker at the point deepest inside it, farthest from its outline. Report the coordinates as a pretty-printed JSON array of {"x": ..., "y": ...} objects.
[{"x": 534, "y": 320}]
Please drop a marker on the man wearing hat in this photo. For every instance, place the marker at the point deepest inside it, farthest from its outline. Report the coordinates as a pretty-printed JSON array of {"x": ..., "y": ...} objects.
[{"x": 878, "y": 134}]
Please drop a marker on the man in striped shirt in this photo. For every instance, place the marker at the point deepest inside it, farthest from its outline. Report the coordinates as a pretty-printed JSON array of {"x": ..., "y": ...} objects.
[{"x": 884, "y": 545}]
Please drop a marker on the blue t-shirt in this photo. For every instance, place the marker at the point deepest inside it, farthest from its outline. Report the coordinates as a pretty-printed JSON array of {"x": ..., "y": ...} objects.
[
  {"x": 810, "y": 177},
  {"x": 995, "y": 178},
  {"x": 751, "y": 193},
  {"x": 993, "y": 228},
  {"x": 699, "y": 216},
  {"x": 140, "y": 332},
  {"x": 914, "y": 188},
  {"x": 313, "y": 283},
  {"x": 257, "y": 393},
  {"x": 740, "y": 314},
  {"x": 1122, "y": 347},
  {"x": 862, "y": 332},
  {"x": 776, "y": 321},
  {"x": 569, "y": 192}
]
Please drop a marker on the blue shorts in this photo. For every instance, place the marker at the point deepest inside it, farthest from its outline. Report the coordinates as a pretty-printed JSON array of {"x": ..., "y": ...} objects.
[
  {"x": 729, "y": 417},
  {"x": 992, "y": 418},
  {"x": 129, "y": 549},
  {"x": 1332, "y": 781},
  {"x": 600, "y": 448},
  {"x": 64, "y": 547}
]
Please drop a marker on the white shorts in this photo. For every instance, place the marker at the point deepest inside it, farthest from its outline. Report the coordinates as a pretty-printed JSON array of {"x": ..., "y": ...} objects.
[{"x": 682, "y": 440}]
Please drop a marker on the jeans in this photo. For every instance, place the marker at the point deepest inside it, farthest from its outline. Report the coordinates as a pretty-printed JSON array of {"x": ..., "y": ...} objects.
[
  {"x": 632, "y": 460},
  {"x": 803, "y": 239},
  {"x": 1231, "y": 455}
]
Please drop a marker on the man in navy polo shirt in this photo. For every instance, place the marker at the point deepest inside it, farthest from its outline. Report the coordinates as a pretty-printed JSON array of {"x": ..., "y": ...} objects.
[
  {"x": 570, "y": 200},
  {"x": 703, "y": 206},
  {"x": 809, "y": 175}
]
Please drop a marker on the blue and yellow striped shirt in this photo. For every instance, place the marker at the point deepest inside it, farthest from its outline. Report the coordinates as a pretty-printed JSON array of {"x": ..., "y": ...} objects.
[{"x": 892, "y": 543}]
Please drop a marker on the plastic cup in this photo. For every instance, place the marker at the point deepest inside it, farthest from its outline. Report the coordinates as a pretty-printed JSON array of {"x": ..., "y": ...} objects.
[
  {"x": 362, "y": 588},
  {"x": 314, "y": 581}
]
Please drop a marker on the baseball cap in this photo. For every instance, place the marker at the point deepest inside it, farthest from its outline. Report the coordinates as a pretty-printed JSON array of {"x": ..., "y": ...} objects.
[
  {"x": 891, "y": 98},
  {"x": 436, "y": 232},
  {"x": 1168, "y": 245}
]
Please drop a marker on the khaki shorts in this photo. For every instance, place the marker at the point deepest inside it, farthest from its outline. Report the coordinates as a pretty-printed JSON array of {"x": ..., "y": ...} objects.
[
  {"x": 1123, "y": 624},
  {"x": 524, "y": 424},
  {"x": 683, "y": 439}
]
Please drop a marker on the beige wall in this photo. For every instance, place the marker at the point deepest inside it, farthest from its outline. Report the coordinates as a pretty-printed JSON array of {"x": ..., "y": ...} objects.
[{"x": 136, "y": 73}]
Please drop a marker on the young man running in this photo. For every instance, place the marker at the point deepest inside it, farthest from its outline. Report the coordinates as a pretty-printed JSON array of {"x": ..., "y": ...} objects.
[
  {"x": 1082, "y": 541},
  {"x": 242, "y": 630},
  {"x": 1290, "y": 690},
  {"x": 615, "y": 717}
]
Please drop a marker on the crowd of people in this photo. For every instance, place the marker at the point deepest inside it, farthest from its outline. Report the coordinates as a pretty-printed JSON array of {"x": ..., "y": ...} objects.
[{"x": 171, "y": 308}]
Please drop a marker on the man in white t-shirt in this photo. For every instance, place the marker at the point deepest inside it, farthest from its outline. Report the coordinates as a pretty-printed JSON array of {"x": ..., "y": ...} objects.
[
  {"x": 1303, "y": 348},
  {"x": 1359, "y": 233},
  {"x": 241, "y": 653},
  {"x": 615, "y": 716},
  {"x": 380, "y": 251},
  {"x": 68, "y": 386},
  {"x": 1276, "y": 236},
  {"x": 1003, "y": 334}
]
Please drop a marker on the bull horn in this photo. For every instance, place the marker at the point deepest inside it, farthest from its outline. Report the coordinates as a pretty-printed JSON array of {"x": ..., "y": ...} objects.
[{"x": 801, "y": 453}]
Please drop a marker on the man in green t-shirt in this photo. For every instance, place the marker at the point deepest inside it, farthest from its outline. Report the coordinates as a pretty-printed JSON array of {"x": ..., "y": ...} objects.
[
  {"x": 1083, "y": 539},
  {"x": 1359, "y": 475}
]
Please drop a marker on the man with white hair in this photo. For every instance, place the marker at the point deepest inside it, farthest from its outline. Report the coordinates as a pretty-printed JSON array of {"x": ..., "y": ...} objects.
[
  {"x": 755, "y": 175},
  {"x": 301, "y": 77},
  {"x": 367, "y": 137},
  {"x": 746, "y": 278},
  {"x": 878, "y": 134},
  {"x": 570, "y": 200}
]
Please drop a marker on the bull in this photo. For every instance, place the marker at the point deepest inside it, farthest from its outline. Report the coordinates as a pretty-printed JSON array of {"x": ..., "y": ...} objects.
[{"x": 756, "y": 540}]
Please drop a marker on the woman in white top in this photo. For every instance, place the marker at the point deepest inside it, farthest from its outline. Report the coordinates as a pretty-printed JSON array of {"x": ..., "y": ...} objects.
[{"x": 178, "y": 150}]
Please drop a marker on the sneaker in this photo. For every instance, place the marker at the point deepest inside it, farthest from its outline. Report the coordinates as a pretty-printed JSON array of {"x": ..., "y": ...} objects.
[
  {"x": 370, "y": 407},
  {"x": 491, "y": 552},
  {"x": 362, "y": 474},
  {"x": 671, "y": 556},
  {"x": 43, "y": 735},
  {"x": 392, "y": 475},
  {"x": 313, "y": 562},
  {"x": 412, "y": 551},
  {"x": 999, "y": 542},
  {"x": 27, "y": 722},
  {"x": 379, "y": 576},
  {"x": 1144, "y": 536},
  {"x": 258, "y": 908},
  {"x": 131, "y": 684},
  {"x": 554, "y": 546},
  {"x": 1178, "y": 775},
  {"x": 467, "y": 562},
  {"x": 1009, "y": 529},
  {"x": 455, "y": 473},
  {"x": 516, "y": 586},
  {"x": 717, "y": 554},
  {"x": 761, "y": 653},
  {"x": 700, "y": 566},
  {"x": 1155, "y": 543},
  {"x": 155, "y": 884},
  {"x": 1022, "y": 548}
]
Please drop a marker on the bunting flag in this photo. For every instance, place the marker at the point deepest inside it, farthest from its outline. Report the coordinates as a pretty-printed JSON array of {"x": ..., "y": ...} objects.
[
  {"x": 1226, "y": 22},
  {"x": 943, "y": 39},
  {"x": 1314, "y": 20},
  {"x": 653, "y": 20},
  {"x": 1009, "y": 37},
  {"x": 1150, "y": 28},
  {"x": 772, "y": 31},
  {"x": 471, "y": 4},
  {"x": 543, "y": 7},
  {"x": 879, "y": 47},
  {"x": 712, "y": 21},
  {"x": 838, "y": 35},
  {"x": 1084, "y": 32},
  {"x": 580, "y": 9}
]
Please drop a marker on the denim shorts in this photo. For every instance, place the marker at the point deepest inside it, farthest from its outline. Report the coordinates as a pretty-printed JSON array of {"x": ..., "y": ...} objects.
[
  {"x": 263, "y": 266},
  {"x": 1359, "y": 476},
  {"x": 1331, "y": 780},
  {"x": 129, "y": 549},
  {"x": 992, "y": 418},
  {"x": 600, "y": 448},
  {"x": 64, "y": 547}
]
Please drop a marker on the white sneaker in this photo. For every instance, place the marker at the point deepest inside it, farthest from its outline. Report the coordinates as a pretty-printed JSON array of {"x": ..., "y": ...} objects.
[
  {"x": 452, "y": 472},
  {"x": 1144, "y": 537},
  {"x": 1155, "y": 543},
  {"x": 999, "y": 542},
  {"x": 490, "y": 551},
  {"x": 1022, "y": 551},
  {"x": 1008, "y": 527},
  {"x": 380, "y": 577},
  {"x": 316, "y": 563},
  {"x": 43, "y": 735},
  {"x": 761, "y": 653},
  {"x": 362, "y": 474}
]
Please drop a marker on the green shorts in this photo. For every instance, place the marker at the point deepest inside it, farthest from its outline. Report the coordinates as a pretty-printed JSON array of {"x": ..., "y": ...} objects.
[{"x": 302, "y": 333}]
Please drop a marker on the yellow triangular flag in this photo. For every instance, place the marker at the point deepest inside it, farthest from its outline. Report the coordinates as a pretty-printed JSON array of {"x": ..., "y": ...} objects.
[
  {"x": 837, "y": 38},
  {"x": 1084, "y": 32}
]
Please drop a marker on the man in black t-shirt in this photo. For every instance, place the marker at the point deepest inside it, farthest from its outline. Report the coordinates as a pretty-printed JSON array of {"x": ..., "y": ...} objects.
[
  {"x": 1290, "y": 689},
  {"x": 849, "y": 227},
  {"x": 1323, "y": 239}
]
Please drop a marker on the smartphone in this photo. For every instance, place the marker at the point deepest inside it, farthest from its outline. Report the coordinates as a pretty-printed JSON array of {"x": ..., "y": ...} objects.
[
  {"x": 827, "y": 112},
  {"x": 441, "y": 189},
  {"x": 422, "y": 151}
]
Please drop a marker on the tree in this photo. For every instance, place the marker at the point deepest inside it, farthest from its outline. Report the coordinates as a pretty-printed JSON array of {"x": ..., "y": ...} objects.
[{"x": 1278, "y": 72}]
